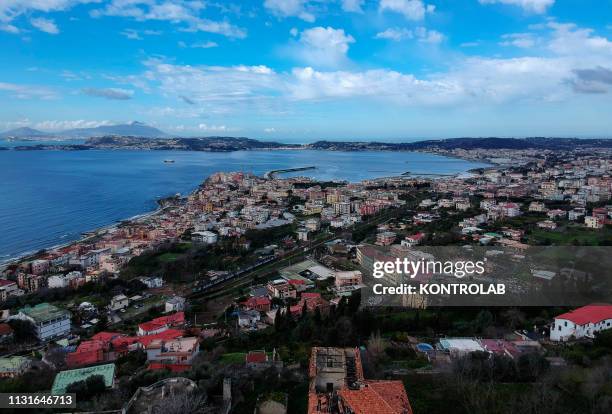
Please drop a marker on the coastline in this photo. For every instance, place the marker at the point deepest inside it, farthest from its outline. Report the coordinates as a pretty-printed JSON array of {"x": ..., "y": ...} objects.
[{"x": 99, "y": 231}]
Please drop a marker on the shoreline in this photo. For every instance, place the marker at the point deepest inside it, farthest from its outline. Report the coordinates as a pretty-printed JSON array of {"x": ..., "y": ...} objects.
[{"x": 96, "y": 232}]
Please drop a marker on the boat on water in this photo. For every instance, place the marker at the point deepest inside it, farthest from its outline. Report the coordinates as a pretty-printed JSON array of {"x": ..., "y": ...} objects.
[{"x": 169, "y": 161}]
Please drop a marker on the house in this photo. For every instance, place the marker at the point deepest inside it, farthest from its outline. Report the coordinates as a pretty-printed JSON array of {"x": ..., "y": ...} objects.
[
  {"x": 13, "y": 366},
  {"x": 348, "y": 278},
  {"x": 583, "y": 322},
  {"x": 64, "y": 379},
  {"x": 302, "y": 234},
  {"x": 248, "y": 318},
  {"x": 337, "y": 386},
  {"x": 385, "y": 238},
  {"x": 152, "y": 282},
  {"x": 281, "y": 289},
  {"x": 50, "y": 322},
  {"x": 88, "y": 353},
  {"x": 411, "y": 241},
  {"x": 593, "y": 222},
  {"x": 206, "y": 237},
  {"x": 119, "y": 302},
  {"x": 161, "y": 324},
  {"x": 175, "y": 355},
  {"x": 458, "y": 347},
  {"x": 259, "y": 303},
  {"x": 7, "y": 288},
  {"x": 6, "y": 333},
  {"x": 175, "y": 304}
]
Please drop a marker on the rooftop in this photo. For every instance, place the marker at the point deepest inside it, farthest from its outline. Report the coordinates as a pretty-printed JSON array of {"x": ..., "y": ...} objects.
[
  {"x": 588, "y": 314},
  {"x": 44, "y": 312},
  {"x": 65, "y": 378}
]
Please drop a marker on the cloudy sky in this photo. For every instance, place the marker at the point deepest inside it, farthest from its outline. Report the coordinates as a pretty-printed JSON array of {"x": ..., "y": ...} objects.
[{"x": 299, "y": 70}]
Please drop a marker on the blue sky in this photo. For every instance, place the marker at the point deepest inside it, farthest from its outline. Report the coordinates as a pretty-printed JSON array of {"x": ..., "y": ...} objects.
[{"x": 300, "y": 70}]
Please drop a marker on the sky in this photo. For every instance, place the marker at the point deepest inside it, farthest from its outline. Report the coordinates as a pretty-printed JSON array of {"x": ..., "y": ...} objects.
[{"x": 302, "y": 70}]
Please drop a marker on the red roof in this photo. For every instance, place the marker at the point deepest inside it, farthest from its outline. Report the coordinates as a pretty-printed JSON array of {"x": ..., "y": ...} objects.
[
  {"x": 105, "y": 336},
  {"x": 416, "y": 237},
  {"x": 296, "y": 282},
  {"x": 165, "y": 336},
  {"x": 5, "y": 282},
  {"x": 379, "y": 397},
  {"x": 588, "y": 314},
  {"x": 175, "y": 319},
  {"x": 5, "y": 329},
  {"x": 255, "y": 301},
  {"x": 256, "y": 356},
  {"x": 310, "y": 295}
]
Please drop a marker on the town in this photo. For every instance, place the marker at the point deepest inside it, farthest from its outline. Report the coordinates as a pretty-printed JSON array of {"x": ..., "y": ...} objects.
[{"x": 245, "y": 296}]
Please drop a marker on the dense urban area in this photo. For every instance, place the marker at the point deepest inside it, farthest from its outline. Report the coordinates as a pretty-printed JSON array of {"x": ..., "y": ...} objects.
[{"x": 245, "y": 296}]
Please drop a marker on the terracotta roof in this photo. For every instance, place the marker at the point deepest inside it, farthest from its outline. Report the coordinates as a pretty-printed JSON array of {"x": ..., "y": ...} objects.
[
  {"x": 5, "y": 282},
  {"x": 5, "y": 329},
  {"x": 588, "y": 314},
  {"x": 377, "y": 397},
  {"x": 256, "y": 356}
]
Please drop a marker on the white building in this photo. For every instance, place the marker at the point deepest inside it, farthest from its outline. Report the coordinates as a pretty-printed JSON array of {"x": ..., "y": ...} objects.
[
  {"x": 49, "y": 321},
  {"x": 152, "y": 282},
  {"x": 119, "y": 302},
  {"x": 206, "y": 237},
  {"x": 175, "y": 304},
  {"x": 582, "y": 322}
]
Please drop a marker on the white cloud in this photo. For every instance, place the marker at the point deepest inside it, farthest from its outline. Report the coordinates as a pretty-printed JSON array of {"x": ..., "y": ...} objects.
[
  {"x": 45, "y": 25},
  {"x": 9, "y": 28},
  {"x": 19, "y": 91},
  {"x": 411, "y": 9},
  {"x": 177, "y": 11},
  {"x": 521, "y": 40},
  {"x": 290, "y": 8},
  {"x": 428, "y": 36},
  {"x": 57, "y": 125},
  {"x": 532, "y": 6},
  {"x": 109, "y": 93},
  {"x": 577, "y": 61},
  {"x": 138, "y": 35},
  {"x": 395, "y": 34},
  {"x": 323, "y": 46},
  {"x": 215, "y": 128},
  {"x": 269, "y": 130},
  {"x": 353, "y": 6},
  {"x": 198, "y": 45},
  {"x": 422, "y": 34}
]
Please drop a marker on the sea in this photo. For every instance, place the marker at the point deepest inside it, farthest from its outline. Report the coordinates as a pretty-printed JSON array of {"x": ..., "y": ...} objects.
[{"x": 48, "y": 198}]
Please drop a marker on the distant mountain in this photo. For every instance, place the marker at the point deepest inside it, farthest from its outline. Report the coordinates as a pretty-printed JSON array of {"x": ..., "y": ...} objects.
[
  {"x": 134, "y": 129},
  {"x": 25, "y": 132},
  {"x": 213, "y": 144},
  {"x": 466, "y": 144}
]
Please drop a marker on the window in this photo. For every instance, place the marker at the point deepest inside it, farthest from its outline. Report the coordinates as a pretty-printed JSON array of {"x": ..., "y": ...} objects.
[
  {"x": 559, "y": 327},
  {"x": 565, "y": 323}
]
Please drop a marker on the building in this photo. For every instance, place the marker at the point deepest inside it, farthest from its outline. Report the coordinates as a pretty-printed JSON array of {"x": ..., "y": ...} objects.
[
  {"x": 248, "y": 318},
  {"x": 6, "y": 333},
  {"x": 175, "y": 304},
  {"x": 66, "y": 378},
  {"x": 152, "y": 282},
  {"x": 259, "y": 303},
  {"x": 593, "y": 222},
  {"x": 50, "y": 322},
  {"x": 348, "y": 278},
  {"x": 337, "y": 386},
  {"x": 119, "y": 302},
  {"x": 302, "y": 234},
  {"x": 13, "y": 366},
  {"x": 161, "y": 324},
  {"x": 458, "y": 347},
  {"x": 206, "y": 237},
  {"x": 385, "y": 238},
  {"x": 175, "y": 355},
  {"x": 583, "y": 322},
  {"x": 281, "y": 289},
  {"x": 7, "y": 288}
]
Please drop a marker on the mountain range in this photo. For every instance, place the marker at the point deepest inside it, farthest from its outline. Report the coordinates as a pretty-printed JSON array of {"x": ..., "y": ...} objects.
[{"x": 137, "y": 129}]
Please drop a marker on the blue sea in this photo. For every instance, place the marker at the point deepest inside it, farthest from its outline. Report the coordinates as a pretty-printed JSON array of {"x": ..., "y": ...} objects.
[{"x": 51, "y": 197}]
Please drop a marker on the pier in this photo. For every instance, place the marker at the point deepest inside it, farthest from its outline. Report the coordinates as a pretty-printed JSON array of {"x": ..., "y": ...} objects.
[{"x": 273, "y": 173}]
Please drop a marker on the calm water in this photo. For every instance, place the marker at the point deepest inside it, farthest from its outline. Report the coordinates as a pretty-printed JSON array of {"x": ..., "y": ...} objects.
[{"x": 52, "y": 197}]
